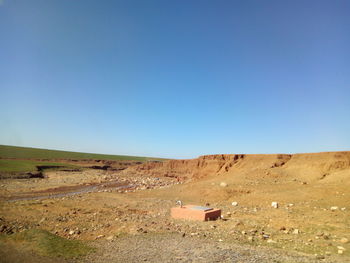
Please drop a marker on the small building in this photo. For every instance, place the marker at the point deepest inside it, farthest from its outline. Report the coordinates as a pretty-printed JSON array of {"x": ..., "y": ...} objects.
[{"x": 194, "y": 212}]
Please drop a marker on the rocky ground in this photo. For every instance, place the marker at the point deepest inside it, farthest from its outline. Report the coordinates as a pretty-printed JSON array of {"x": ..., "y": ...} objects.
[
  {"x": 176, "y": 247},
  {"x": 308, "y": 222}
]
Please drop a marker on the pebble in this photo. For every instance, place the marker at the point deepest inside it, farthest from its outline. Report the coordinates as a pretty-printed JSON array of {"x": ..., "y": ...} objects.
[
  {"x": 333, "y": 208},
  {"x": 265, "y": 236},
  {"x": 274, "y": 204},
  {"x": 223, "y": 184},
  {"x": 319, "y": 256},
  {"x": 234, "y": 203},
  {"x": 296, "y": 231}
]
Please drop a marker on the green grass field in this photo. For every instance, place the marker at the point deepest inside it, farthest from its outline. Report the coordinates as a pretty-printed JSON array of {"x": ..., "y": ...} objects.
[
  {"x": 18, "y": 166},
  {"x": 15, "y": 161},
  {"x": 46, "y": 244},
  {"x": 34, "y": 153}
]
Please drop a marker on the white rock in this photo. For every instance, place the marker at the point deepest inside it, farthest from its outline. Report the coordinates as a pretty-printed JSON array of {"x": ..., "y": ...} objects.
[
  {"x": 234, "y": 203},
  {"x": 340, "y": 248},
  {"x": 223, "y": 184},
  {"x": 343, "y": 209},
  {"x": 71, "y": 232},
  {"x": 274, "y": 204},
  {"x": 296, "y": 231},
  {"x": 340, "y": 251},
  {"x": 333, "y": 208},
  {"x": 271, "y": 241}
]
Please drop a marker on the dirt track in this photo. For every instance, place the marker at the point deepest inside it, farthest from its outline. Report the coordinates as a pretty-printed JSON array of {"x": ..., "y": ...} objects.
[{"x": 176, "y": 248}]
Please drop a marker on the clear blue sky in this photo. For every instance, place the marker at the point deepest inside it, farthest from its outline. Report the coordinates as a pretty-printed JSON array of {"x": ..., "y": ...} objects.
[{"x": 175, "y": 78}]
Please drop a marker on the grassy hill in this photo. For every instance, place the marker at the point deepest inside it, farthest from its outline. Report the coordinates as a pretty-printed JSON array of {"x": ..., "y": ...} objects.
[
  {"x": 14, "y": 152},
  {"x": 14, "y": 161}
]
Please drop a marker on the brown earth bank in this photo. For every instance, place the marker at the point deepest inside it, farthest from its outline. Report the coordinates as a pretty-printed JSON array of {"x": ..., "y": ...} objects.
[{"x": 312, "y": 218}]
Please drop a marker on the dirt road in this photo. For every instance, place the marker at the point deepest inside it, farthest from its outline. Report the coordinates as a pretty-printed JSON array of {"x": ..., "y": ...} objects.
[{"x": 176, "y": 248}]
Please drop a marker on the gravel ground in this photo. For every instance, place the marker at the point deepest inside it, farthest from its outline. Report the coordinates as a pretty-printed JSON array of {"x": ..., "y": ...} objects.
[{"x": 176, "y": 248}]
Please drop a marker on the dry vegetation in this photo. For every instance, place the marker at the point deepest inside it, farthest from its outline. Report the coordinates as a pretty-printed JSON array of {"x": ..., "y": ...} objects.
[{"x": 126, "y": 215}]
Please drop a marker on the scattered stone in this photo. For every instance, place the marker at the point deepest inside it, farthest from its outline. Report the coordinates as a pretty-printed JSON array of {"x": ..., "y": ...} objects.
[
  {"x": 274, "y": 204},
  {"x": 333, "y": 208},
  {"x": 71, "y": 232},
  {"x": 340, "y": 251},
  {"x": 110, "y": 238},
  {"x": 100, "y": 236},
  {"x": 340, "y": 248},
  {"x": 223, "y": 184},
  {"x": 234, "y": 203},
  {"x": 343, "y": 209},
  {"x": 271, "y": 241},
  {"x": 328, "y": 253}
]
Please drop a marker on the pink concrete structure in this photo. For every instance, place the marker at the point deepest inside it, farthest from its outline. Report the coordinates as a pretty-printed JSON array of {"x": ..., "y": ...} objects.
[{"x": 194, "y": 212}]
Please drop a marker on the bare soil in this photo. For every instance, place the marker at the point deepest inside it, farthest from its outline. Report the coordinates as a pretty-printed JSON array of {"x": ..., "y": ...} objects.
[{"x": 134, "y": 224}]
